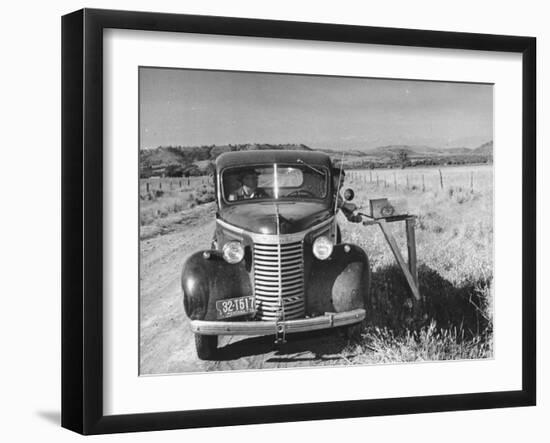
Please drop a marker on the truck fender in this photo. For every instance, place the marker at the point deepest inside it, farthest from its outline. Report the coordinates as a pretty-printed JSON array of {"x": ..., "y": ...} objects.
[
  {"x": 340, "y": 283},
  {"x": 206, "y": 277}
]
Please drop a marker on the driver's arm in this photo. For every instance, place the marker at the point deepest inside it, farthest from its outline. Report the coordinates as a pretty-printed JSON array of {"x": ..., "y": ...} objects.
[{"x": 348, "y": 210}]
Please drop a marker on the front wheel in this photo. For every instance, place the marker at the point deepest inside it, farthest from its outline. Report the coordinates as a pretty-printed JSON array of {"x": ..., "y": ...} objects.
[{"x": 207, "y": 346}]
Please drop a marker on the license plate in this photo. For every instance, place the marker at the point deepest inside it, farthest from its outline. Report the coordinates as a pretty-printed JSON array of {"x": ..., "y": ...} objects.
[{"x": 234, "y": 307}]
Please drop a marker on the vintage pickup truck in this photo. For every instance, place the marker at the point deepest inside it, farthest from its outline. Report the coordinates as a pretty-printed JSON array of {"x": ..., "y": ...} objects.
[{"x": 275, "y": 266}]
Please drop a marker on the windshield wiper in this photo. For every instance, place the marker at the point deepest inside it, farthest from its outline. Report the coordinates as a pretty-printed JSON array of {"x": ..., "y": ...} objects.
[{"x": 310, "y": 167}]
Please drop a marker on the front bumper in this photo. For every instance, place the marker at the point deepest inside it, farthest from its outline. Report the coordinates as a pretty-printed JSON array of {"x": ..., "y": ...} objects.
[{"x": 327, "y": 321}]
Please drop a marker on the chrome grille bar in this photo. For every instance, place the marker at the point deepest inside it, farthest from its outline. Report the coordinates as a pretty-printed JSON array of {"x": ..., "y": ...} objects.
[{"x": 279, "y": 280}]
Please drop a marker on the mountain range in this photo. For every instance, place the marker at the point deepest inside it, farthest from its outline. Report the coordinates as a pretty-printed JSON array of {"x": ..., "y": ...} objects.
[
  {"x": 196, "y": 160},
  {"x": 417, "y": 150}
]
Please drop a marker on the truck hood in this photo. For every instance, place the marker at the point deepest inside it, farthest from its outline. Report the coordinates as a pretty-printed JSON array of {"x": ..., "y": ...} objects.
[{"x": 261, "y": 218}]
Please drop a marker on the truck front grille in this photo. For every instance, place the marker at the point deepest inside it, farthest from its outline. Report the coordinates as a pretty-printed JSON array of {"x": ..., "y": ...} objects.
[{"x": 279, "y": 280}]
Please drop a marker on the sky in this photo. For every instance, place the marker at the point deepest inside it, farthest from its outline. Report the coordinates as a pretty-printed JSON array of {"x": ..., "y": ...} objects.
[{"x": 180, "y": 107}]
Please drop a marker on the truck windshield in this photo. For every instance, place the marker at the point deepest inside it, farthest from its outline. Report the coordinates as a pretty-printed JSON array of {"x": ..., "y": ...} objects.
[{"x": 274, "y": 182}]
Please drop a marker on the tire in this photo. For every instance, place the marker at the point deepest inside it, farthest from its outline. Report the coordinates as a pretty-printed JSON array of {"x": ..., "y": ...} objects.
[{"x": 207, "y": 346}]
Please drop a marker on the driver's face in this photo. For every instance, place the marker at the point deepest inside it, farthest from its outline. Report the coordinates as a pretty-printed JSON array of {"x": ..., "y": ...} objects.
[{"x": 251, "y": 180}]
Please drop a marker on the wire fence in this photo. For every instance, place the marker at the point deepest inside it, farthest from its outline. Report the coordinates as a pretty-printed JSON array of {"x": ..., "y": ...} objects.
[
  {"x": 473, "y": 179},
  {"x": 166, "y": 184}
]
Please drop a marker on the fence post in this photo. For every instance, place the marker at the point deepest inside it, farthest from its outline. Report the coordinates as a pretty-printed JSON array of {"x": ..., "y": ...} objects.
[
  {"x": 407, "y": 181},
  {"x": 370, "y": 172},
  {"x": 472, "y": 181},
  {"x": 160, "y": 184},
  {"x": 394, "y": 181},
  {"x": 440, "y": 178},
  {"x": 147, "y": 187},
  {"x": 411, "y": 249},
  {"x": 377, "y": 182},
  {"x": 423, "y": 184}
]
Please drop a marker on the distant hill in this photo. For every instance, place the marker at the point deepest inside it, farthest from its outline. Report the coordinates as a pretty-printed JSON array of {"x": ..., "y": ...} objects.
[
  {"x": 485, "y": 148},
  {"x": 391, "y": 150},
  {"x": 396, "y": 149},
  {"x": 457, "y": 151},
  {"x": 198, "y": 160},
  {"x": 403, "y": 156},
  {"x": 195, "y": 160}
]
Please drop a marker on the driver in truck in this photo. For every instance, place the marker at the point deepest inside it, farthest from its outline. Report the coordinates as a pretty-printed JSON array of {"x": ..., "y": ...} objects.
[{"x": 249, "y": 187}]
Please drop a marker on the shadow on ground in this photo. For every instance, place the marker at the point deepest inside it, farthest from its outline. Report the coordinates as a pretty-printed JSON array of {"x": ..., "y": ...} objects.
[
  {"x": 54, "y": 417},
  {"x": 322, "y": 344},
  {"x": 463, "y": 306}
]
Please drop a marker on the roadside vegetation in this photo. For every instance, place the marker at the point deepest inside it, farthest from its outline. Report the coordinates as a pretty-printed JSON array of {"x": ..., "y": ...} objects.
[
  {"x": 454, "y": 235},
  {"x": 168, "y": 203}
]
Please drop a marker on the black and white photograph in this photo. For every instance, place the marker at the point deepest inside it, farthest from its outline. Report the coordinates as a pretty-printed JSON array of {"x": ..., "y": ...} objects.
[{"x": 293, "y": 221}]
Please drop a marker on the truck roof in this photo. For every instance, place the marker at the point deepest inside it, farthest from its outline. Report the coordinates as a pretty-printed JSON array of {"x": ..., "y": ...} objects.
[{"x": 269, "y": 156}]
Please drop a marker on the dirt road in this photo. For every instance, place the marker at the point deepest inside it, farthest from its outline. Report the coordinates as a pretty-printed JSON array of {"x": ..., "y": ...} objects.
[{"x": 166, "y": 342}]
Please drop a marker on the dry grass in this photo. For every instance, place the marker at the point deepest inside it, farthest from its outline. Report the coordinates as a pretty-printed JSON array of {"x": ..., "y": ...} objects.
[
  {"x": 454, "y": 234},
  {"x": 167, "y": 204},
  {"x": 167, "y": 197},
  {"x": 427, "y": 343}
]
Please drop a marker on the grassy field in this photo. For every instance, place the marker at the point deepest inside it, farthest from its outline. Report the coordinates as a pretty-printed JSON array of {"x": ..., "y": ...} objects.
[
  {"x": 454, "y": 233},
  {"x": 165, "y": 202}
]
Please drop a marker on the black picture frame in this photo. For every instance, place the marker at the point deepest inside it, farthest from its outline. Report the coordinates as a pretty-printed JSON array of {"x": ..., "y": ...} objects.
[{"x": 82, "y": 218}]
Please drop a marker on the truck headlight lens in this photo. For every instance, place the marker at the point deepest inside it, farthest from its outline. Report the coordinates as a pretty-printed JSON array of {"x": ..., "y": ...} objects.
[
  {"x": 322, "y": 247},
  {"x": 233, "y": 252}
]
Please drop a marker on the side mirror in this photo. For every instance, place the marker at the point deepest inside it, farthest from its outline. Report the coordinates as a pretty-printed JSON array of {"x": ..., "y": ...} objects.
[{"x": 349, "y": 194}]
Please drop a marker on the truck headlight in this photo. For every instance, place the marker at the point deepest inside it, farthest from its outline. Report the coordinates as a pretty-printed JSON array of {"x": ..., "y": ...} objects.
[
  {"x": 233, "y": 252},
  {"x": 322, "y": 247}
]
